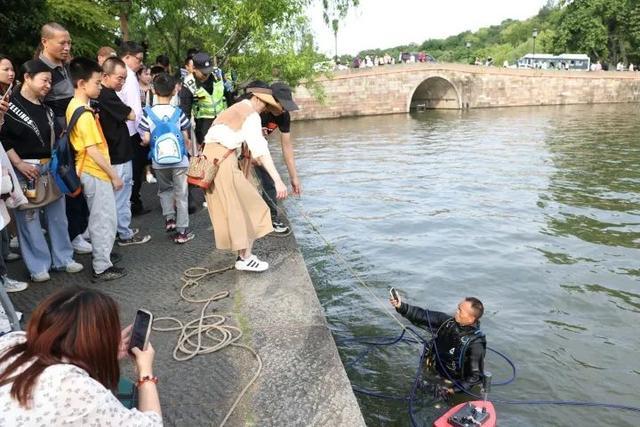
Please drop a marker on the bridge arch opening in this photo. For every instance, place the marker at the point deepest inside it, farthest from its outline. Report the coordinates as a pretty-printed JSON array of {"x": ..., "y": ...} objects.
[{"x": 435, "y": 93}]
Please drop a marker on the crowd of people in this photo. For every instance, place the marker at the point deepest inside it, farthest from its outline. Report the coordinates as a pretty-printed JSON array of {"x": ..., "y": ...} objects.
[
  {"x": 369, "y": 61},
  {"x": 123, "y": 119}
]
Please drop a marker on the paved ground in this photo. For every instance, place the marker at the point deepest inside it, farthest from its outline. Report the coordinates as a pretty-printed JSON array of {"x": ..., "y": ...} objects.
[{"x": 303, "y": 381}]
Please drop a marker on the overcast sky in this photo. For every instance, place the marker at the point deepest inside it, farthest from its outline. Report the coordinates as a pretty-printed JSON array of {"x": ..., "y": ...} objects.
[{"x": 387, "y": 23}]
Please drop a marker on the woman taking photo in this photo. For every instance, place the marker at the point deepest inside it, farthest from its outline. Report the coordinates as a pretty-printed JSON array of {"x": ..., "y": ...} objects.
[
  {"x": 237, "y": 211},
  {"x": 64, "y": 369},
  {"x": 27, "y": 137}
]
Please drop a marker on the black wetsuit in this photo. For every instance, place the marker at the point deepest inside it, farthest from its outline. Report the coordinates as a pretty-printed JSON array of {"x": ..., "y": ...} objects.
[{"x": 454, "y": 343}]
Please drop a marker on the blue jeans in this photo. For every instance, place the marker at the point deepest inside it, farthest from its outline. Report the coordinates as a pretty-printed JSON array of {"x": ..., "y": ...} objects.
[
  {"x": 123, "y": 200},
  {"x": 37, "y": 255}
]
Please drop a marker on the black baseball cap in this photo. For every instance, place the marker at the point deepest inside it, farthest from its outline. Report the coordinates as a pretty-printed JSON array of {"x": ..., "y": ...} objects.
[
  {"x": 282, "y": 93},
  {"x": 202, "y": 62}
]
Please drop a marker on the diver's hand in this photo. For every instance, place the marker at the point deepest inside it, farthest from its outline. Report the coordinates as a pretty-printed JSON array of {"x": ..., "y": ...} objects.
[{"x": 395, "y": 302}]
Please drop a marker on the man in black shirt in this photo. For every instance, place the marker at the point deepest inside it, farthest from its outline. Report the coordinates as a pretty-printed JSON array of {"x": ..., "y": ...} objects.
[
  {"x": 459, "y": 345},
  {"x": 282, "y": 122},
  {"x": 113, "y": 116}
]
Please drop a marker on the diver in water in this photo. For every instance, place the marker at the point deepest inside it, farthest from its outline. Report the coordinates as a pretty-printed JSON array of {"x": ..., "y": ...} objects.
[{"x": 458, "y": 348}]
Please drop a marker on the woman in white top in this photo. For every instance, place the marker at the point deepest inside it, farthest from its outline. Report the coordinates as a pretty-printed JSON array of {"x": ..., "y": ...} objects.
[
  {"x": 63, "y": 370},
  {"x": 237, "y": 211}
]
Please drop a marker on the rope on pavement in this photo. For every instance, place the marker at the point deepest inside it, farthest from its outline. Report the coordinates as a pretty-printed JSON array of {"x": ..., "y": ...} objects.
[{"x": 210, "y": 327}]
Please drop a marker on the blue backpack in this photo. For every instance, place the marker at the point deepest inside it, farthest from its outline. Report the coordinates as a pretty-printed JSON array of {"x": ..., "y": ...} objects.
[
  {"x": 167, "y": 143},
  {"x": 63, "y": 163}
]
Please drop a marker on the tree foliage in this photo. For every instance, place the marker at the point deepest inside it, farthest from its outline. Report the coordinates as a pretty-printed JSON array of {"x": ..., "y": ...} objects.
[
  {"x": 606, "y": 30},
  {"x": 260, "y": 38},
  {"x": 20, "y": 29}
]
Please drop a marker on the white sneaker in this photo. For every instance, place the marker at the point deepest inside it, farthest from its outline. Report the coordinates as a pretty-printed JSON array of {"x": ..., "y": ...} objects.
[
  {"x": 5, "y": 326},
  {"x": 12, "y": 257},
  {"x": 40, "y": 277},
  {"x": 204, "y": 205},
  {"x": 13, "y": 243},
  {"x": 86, "y": 235},
  {"x": 81, "y": 246},
  {"x": 251, "y": 264},
  {"x": 11, "y": 285},
  {"x": 74, "y": 267}
]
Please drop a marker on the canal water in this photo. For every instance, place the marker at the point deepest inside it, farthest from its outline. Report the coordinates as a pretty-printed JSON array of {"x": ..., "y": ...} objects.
[{"x": 536, "y": 211}]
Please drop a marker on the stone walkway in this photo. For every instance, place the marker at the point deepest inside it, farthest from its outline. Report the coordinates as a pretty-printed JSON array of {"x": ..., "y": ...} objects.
[{"x": 303, "y": 382}]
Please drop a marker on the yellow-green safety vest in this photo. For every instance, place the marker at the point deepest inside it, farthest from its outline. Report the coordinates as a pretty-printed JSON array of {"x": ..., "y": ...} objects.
[{"x": 208, "y": 106}]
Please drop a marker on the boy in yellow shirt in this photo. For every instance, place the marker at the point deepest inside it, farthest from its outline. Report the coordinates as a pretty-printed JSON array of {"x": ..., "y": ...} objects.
[{"x": 99, "y": 179}]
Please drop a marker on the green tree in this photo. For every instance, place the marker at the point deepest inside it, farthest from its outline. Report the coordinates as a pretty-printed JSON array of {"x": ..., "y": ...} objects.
[
  {"x": 91, "y": 23},
  {"x": 21, "y": 30}
]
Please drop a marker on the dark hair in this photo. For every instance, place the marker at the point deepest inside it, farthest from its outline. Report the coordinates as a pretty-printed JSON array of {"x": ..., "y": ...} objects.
[
  {"x": 157, "y": 69},
  {"x": 82, "y": 69},
  {"x": 164, "y": 84},
  {"x": 129, "y": 48},
  {"x": 476, "y": 305},
  {"x": 248, "y": 95},
  {"x": 187, "y": 60},
  {"x": 4, "y": 87},
  {"x": 109, "y": 65},
  {"x": 33, "y": 67},
  {"x": 192, "y": 51},
  {"x": 75, "y": 325},
  {"x": 141, "y": 70},
  {"x": 163, "y": 60}
]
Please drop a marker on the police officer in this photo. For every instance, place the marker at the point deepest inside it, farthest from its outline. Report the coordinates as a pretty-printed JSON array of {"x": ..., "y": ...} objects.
[
  {"x": 203, "y": 95},
  {"x": 459, "y": 345}
]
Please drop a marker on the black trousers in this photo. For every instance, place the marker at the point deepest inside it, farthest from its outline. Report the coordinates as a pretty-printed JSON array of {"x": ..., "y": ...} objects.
[
  {"x": 140, "y": 160},
  {"x": 202, "y": 127},
  {"x": 77, "y": 215},
  {"x": 269, "y": 194}
]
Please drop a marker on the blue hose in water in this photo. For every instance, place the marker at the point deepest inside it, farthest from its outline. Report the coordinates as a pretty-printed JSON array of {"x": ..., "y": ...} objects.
[{"x": 387, "y": 341}]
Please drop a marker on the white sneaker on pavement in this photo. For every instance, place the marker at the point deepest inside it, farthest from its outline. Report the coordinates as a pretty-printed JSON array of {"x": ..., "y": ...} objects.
[
  {"x": 251, "y": 264},
  {"x": 13, "y": 243},
  {"x": 81, "y": 246},
  {"x": 12, "y": 285},
  {"x": 74, "y": 267},
  {"x": 40, "y": 277},
  {"x": 12, "y": 257}
]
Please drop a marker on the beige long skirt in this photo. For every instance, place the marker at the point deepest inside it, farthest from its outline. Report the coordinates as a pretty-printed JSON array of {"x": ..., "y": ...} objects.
[{"x": 237, "y": 211}]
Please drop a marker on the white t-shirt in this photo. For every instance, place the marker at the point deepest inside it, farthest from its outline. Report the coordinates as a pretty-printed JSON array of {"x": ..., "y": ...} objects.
[{"x": 65, "y": 395}]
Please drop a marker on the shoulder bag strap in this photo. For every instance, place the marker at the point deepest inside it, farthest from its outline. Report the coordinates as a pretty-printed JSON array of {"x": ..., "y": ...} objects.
[{"x": 153, "y": 116}]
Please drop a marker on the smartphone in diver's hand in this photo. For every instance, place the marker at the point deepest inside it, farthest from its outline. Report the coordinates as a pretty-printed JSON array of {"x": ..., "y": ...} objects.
[
  {"x": 394, "y": 294},
  {"x": 141, "y": 330}
]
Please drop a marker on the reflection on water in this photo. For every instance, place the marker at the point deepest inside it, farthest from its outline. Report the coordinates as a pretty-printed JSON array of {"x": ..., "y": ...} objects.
[{"x": 534, "y": 210}]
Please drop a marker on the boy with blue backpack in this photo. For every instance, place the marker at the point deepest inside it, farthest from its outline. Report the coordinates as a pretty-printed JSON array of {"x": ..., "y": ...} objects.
[{"x": 165, "y": 128}]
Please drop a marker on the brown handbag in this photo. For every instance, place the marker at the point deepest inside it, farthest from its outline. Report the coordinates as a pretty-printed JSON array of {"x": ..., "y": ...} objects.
[
  {"x": 46, "y": 192},
  {"x": 202, "y": 171}
]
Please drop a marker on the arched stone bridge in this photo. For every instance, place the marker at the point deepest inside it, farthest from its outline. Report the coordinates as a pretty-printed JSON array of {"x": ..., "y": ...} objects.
[{"x": 401, "y": 88}]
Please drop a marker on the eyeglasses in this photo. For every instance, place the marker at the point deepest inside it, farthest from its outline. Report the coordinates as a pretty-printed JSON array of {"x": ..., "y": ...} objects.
[{"x": 140, "y": 58}]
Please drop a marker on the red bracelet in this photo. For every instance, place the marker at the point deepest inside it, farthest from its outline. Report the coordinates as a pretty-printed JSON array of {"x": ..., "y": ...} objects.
[{"x": 145, "y": 379}]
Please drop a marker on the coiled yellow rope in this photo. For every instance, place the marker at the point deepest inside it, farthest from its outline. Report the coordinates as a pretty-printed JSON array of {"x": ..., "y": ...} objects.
[{"x": 211, "y": 326}]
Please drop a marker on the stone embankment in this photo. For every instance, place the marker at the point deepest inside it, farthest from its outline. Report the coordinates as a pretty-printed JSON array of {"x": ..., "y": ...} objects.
[{"x": 303, "y": 381}]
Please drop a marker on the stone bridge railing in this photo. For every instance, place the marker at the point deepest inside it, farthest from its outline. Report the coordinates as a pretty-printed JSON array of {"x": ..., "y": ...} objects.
[{"x": 399, "y": 88}]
